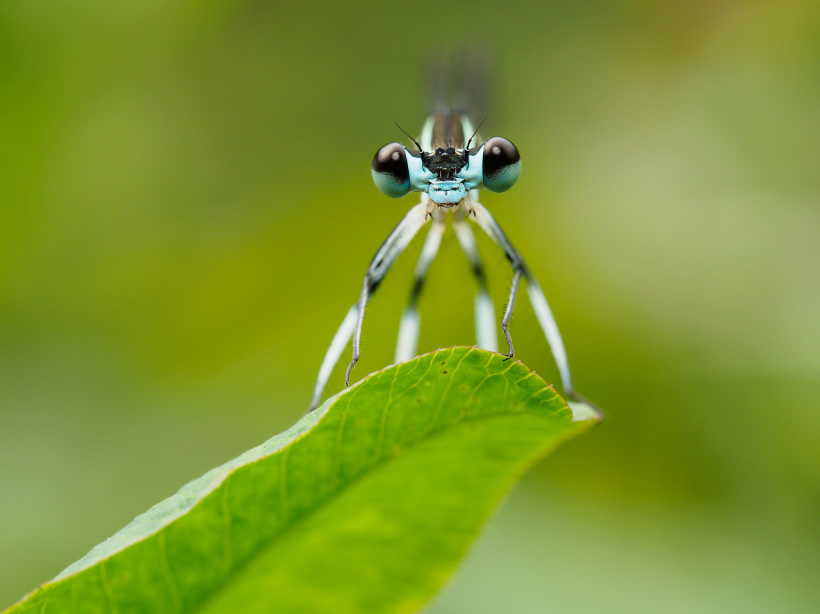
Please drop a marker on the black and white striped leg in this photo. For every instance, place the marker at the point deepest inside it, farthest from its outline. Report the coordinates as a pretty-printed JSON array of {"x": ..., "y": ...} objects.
[
  {"x": 485, "y": 330},
  {"x": 334, "y": 352},
  {"x": 407, "y": 344},
  {"x": 539, "y": 302},
  {"x": 394, "y": 245},
  {"x": 387, "y": 254}
]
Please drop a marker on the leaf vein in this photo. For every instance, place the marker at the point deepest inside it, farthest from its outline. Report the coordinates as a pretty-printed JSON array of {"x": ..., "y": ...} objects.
[
  {"x": 446, "y": 390},
  {"x": 107, "y": 589},
  {"x": 283, "y": 486},
  {"x": 337, "y": 449},
  {"x": 383, "y": 419},
  {"x": 226, "y": 516},
  {"x": 418, "y": 381},
  {"x": 170, "y": 581}
]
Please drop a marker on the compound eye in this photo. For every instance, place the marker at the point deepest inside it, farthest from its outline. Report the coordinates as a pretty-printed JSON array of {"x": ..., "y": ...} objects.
[
  {"x": 502, "y": 164},
  {"x": 390, "y": 171}
]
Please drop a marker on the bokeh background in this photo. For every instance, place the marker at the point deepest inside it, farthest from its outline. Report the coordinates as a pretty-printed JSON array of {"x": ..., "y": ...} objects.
[{"x": 186, "y": 213}]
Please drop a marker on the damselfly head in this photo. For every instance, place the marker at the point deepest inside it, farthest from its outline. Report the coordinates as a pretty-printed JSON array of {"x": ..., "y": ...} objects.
[
  {"x": 446, "y": 174},
  {"x": 445, "y": 163}
]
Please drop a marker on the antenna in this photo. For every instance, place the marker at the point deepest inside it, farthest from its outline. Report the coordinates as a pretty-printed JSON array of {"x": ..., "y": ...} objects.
[
  {"x": 481, "y": 123},
  {"x": 410, "y": 137}
]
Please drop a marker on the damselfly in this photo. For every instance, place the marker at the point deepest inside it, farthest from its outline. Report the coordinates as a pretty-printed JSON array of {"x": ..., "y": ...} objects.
[{"x": 448, "y": 174}]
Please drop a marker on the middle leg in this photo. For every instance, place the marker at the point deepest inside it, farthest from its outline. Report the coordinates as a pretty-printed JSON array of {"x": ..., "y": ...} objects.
[
  {"x": 408, "y": 340},
  {"x": 484, "y": 310},
  {"x": 394, "y": 245}
]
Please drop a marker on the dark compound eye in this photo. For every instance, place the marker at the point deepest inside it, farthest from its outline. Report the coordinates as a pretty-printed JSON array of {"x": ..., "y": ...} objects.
[
  {"x": 502, "y": 164},
  {"x": 390, "y": 171}
]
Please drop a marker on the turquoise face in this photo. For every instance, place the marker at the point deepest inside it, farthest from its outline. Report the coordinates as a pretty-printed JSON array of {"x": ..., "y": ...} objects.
[
  {"x": 447, "y": 192},
  {"x": 444, "y": 192},
  {"x": 446, "y": 175}
]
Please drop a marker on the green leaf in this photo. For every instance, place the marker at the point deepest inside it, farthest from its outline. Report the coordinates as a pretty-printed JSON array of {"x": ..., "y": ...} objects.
[{"x": 365, "y": 505}]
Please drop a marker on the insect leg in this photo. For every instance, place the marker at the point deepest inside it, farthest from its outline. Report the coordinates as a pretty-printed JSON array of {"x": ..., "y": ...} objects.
[
  {"x": 334, "y": 352},
  {"x": 410, "y": 321},
  {"x": 484, "y": 311},
  {"x": 386, "y": 255},
  {"x": 539, "y": 302},
  {"x": 505, "y": 322}
]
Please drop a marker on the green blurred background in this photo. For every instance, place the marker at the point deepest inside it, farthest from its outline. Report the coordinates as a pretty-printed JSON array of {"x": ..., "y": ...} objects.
[{"x": 186, "y": 213}]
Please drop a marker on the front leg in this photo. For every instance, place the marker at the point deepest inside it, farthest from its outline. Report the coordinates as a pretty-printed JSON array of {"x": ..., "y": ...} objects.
[
  {"x": 505, "y": 323},
  {"x": 539, "y": 302},
  {"x": 394, "y": 245}
]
